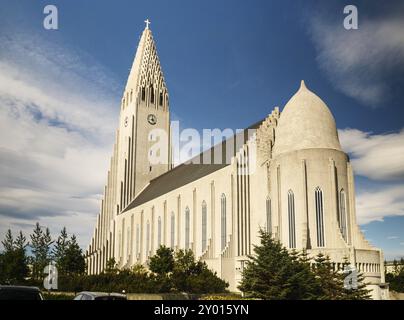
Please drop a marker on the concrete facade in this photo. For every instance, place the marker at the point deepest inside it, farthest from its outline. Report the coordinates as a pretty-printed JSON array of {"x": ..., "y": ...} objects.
[{"x": 290, "y": 176}]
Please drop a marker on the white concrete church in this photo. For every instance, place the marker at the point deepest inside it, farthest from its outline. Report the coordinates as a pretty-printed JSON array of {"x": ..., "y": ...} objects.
[{"x": 301, "y": 188}]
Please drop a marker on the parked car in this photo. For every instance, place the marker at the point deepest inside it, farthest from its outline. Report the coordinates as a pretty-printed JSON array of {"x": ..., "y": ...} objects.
[
  {"x": 86, "y": 295},
  {"x": 20, "y": 293}
]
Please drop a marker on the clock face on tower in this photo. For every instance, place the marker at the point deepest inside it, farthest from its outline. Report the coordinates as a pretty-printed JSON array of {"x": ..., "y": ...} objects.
[{"x": 152, "y": 119}]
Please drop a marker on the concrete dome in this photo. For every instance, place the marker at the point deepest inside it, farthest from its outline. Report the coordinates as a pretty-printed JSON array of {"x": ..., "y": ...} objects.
[{"x": 305, "y": 123}]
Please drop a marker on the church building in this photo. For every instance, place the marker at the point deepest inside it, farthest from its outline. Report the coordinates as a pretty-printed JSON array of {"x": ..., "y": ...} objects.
[{"x": 286, "y": 174}]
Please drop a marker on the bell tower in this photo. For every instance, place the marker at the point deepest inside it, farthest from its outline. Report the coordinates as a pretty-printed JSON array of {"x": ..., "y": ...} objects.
[{"x": 144, "y": 122}]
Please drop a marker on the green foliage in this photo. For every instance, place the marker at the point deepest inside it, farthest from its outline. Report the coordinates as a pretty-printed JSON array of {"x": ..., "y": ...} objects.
[
  {"x": 59, "y": 251},
  {"x": 13, "y": 261},
  {"x": 40, "y": 244},
  {"x": 272, "y": 273},
  {"x": 162, "y": 262},
  {"x": 73, "y": 260},
  {"x": 396, "y": 281},
  {"x": 330, "y": 280}
]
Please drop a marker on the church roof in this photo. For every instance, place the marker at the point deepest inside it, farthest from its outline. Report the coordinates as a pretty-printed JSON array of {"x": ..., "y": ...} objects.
[
  {"x": 305, "y": 123},
  {"x": 188, "y": 172}
]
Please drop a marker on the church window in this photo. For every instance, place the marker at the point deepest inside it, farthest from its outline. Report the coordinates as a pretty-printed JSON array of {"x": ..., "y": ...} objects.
[
  {"x": 319, "y": 217},
  {"x": 159, "y": 232},
  {"x": 137, "y": 240},
  {"x": 131, "y": 95},
  {"x": 147, "y": 238},
  {"x": 342, "y": 214},
  {"x": 123, "y": 103},
  {"x": 204, "y": 225},
  {"x": 268, "y": 212},
  {"x": 143, "y": 93},
  {"x": 161, "y": 99},
  {"x": 151, "y": 94},
  {"x": 223, "y": 220},
  {"x": 187, "y": 228},
  {"x": 172, "y": 230},
  {"x": 291, "y": 218}
]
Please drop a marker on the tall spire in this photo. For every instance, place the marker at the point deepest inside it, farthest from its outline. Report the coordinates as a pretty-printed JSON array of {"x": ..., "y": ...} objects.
[{"x": 146, "y": 71}]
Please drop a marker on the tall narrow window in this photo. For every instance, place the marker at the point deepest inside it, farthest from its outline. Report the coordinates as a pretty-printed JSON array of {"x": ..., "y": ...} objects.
[
  {"x": 128, "y": 251},
  {"x": 143, "y": 93},
  {"x": 147, "y": 238},
  {"x": 291, "y": 218},
  {"x": 342, "y": 214},
  {"x": 159, "y": 232},
  {"x": 187, "y": 227},
  {"x": 269, "y": 218},
  {"x": 204, "y": 225},
  {"x": 223, "y": 220},
  {"x": 172, "y": 230},
  {"x": 161, "y": 99},
  {"x": 151, "y": 94},
  {"x": 319, "y": 217},
  {"x": 137, "y": 241},
  {"x": 131, "y": 95}
]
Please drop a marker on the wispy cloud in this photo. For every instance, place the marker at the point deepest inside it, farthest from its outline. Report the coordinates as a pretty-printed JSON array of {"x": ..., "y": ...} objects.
[
  {"x": 376, "y": 156},
  {"x": 392, "y": 238},
  {"x": 358, "y": 62},
  {"x": 374, "y": 205},
  {"x": 57, "y": 118}
]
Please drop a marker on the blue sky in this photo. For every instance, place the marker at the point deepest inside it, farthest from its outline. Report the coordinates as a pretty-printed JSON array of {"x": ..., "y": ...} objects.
[{"x": 226, "y": 64}]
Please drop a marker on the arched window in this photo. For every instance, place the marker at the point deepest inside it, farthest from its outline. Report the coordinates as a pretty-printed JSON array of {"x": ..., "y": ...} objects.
[
  {"x": 204, "y": 225},
  {"x": 223, "y": 220},
  {"x": 187, "y": 227},
  {"x": 137, "y": 241},
  {"x": 143, "y": 93},
  {"x": 172, "y": 230},
  {"x": 159, "y": 232},
  {"x": 269, "y": 218},
  {"x": 291, "y": 218},
  {"x": 128, "y": 246},
  {"x": 147, "y": 238},
  {"x": 319, "y": 217},
  {"x": 342, "y": 214},
  {"x": 151, "y": 94}
]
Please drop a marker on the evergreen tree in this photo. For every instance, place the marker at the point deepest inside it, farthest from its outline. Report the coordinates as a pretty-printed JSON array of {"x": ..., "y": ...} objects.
[
  {"x": 59, "y": 251},
  {"x": 74, "y": 258},
  {"x": 13, "y": 262},
  {"x": 330, "y": 280},
  {"x": 40, "y": 244},
  {"x": 8, "y": 242},
  {"x": 272, "y": 273}
]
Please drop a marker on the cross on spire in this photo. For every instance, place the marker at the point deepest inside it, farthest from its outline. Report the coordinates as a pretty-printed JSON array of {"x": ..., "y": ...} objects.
[{"x": 147, "y": 21}]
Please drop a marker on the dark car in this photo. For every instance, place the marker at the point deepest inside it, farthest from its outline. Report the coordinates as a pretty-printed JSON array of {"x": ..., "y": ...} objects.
[
  {"x": 86, "y": 295},
  {"x": 20, "y": 293}
]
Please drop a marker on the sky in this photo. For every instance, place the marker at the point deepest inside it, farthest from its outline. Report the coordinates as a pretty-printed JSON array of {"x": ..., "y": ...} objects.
[{"x": 227, "y": 64}]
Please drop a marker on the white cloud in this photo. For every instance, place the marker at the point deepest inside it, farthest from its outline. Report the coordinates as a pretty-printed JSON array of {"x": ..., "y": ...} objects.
[
  {"x": 376, "y": 204},
  {"x": 57, "y": 120},
  {"x": 358, "y": 62},
  {"x": 376, "y": 156},
  {"x": 392, "y": 238}
]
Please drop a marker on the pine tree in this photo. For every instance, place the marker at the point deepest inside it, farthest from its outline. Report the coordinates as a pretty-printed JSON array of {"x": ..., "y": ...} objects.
[
  {"x": 13, "y": 264},
  {"x": 8, "y": 242},
  {"x": 272, "y": 273},
  {"x": 74, "y": 258},
  {"x": 59, "y": 251},
  {"x": 330, "y": 280},
  {"x": 40, "y": 244}
]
